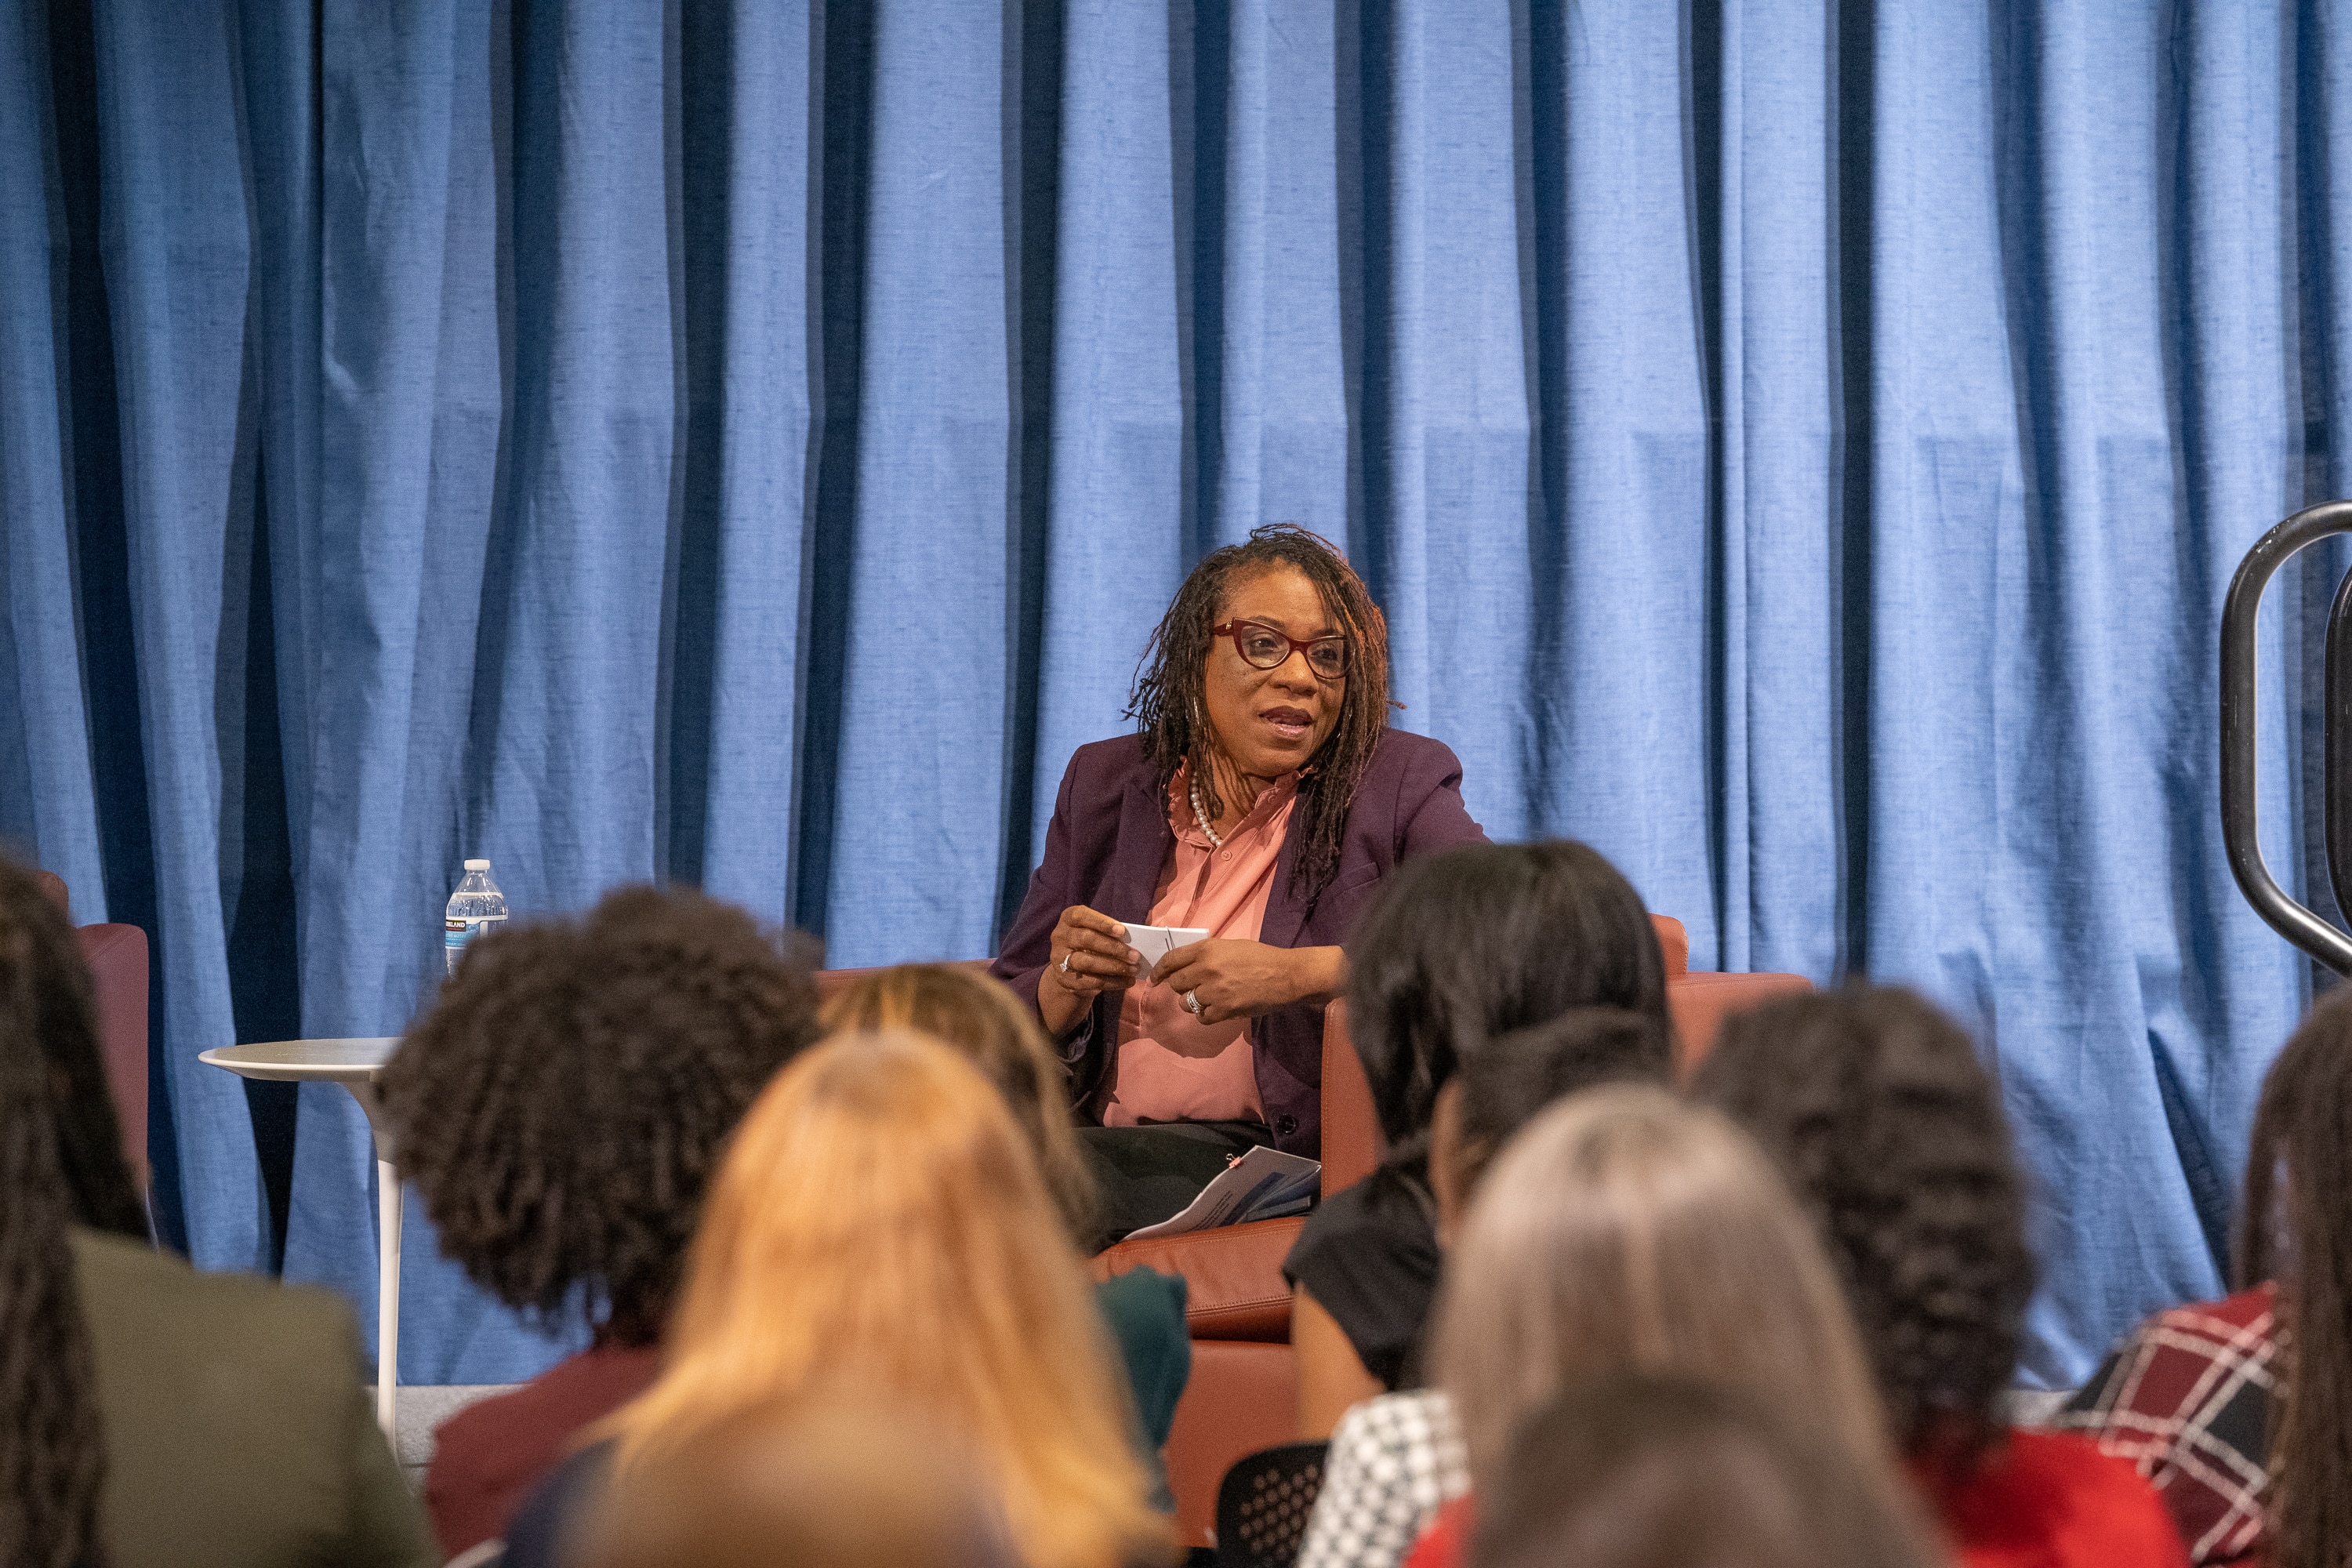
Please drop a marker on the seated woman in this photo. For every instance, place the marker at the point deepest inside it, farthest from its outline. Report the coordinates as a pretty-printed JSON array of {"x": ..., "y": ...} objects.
[
  {"x": 2250, "y": 1446},
  {"x": 156, "y": 1416},
  {"x": 879, "y": 1233},
  {"x": 1625, "y": 1231},
  {"x": 982, "y": 1019},
  {"x": 559, "y": 1111},
  {"x": 1874, "y": 1105},
  {"x": 1264, "y": 800},
  {"x": 1619, "y": 1230},
  {"x": 1637, "y": 1469},
  {"x": 1465, "y": 947}
]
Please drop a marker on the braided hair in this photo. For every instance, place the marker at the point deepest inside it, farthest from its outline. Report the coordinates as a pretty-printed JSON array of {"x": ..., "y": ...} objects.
[
  {"x": 52, "y": 1450},
  {"x": 564, "y": 1104},
  {"x": 1169, "y": 701},
  {"x": 1889, "y": 1130},
  {"x": 2299, "y": 1194}
]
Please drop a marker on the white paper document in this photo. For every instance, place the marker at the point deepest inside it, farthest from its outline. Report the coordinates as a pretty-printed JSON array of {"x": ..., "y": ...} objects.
[
  {"x": 1264, "y": 1183},
  {"x": 1156, "y": 943}
]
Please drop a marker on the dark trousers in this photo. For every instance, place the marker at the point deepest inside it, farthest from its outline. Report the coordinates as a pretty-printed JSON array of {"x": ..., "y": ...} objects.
[{"x": 1145, "y": 1174}]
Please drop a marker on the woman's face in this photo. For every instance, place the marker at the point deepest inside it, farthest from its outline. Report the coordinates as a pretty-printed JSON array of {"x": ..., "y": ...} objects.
[{"x": 1268, "y": 722}]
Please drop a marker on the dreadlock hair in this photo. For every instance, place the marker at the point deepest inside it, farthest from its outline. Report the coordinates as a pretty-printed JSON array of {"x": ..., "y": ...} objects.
[
  {"x": 2291, "y": 1229},
  {"x": 1169, "y": 696},
  {"x": 62, "y": 1020},
  {"x": 52, "y": 1449},
  {"x": 1874, "y": 1105},
  {"x": 564, "y": 1104}
]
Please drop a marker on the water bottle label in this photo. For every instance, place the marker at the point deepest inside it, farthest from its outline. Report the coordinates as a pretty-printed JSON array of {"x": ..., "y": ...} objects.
[{"x": 459, "y": 929}]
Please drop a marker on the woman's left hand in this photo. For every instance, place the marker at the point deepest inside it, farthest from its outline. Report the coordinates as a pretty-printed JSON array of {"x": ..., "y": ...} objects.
[{"x": 1242, "y": 979}]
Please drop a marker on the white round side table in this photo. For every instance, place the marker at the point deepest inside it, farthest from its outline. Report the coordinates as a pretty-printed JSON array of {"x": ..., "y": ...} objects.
[{"x": 353, "y": 1064}]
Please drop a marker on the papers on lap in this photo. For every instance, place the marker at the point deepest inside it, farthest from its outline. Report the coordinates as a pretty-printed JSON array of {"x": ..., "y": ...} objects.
[
  {"x": 1264, "y": 1183},
  {"x": 1156, "y": 943}
]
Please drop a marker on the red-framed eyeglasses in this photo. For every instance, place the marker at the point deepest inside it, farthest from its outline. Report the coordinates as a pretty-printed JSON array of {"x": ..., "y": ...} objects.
[{"x": 1263, "y": 647}]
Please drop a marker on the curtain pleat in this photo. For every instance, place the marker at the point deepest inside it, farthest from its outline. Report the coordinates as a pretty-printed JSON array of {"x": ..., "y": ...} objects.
[{"x": 1800, "y": 445}]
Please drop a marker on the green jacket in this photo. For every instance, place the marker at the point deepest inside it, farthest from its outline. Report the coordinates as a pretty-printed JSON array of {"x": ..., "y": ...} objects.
[{"x": 238, "y": 1432}]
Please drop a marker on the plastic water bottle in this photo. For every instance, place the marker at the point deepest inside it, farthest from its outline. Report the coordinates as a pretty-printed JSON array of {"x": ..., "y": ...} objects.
[{"x": 475, "y": 908}]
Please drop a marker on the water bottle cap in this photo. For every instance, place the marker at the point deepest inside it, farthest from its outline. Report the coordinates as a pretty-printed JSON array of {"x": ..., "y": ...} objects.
[{"x": 478, "y": 865}]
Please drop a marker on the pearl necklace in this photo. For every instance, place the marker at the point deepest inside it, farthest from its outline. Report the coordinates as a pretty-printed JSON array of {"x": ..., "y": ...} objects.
[{"x": 1203, "y": 818}]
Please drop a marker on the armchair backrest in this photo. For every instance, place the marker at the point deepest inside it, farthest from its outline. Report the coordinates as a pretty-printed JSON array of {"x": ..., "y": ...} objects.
[
  {"x": 1351, "y": 1127},
  {"x": 117, "y": 957}
]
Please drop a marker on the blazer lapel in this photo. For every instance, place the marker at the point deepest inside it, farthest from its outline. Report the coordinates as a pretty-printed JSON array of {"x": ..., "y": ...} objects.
[
  {"x": 1144, "y": 839},
  {"x": 1283, "y": 913}
]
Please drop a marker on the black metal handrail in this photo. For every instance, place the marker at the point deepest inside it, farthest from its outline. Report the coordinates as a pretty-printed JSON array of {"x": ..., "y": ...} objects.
[{"x": 2239, "y": 810}]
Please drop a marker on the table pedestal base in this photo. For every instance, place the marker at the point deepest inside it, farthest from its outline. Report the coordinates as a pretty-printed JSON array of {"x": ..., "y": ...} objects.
[
  {"x": 352, "y": 1062},
  {"x": 388, "y": 1207}
]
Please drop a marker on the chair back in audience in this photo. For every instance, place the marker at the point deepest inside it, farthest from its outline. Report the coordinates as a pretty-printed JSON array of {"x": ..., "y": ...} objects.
[
  {"x": 1243, "y": 1398},
  {"x": 1263, "y": 1503}
]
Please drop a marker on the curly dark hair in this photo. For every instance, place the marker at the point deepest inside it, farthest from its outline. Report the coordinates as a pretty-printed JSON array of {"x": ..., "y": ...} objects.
[
  {"x": 63, "y": 1022},
  {"x": 2292, "y": 1228},
  {"x": 1874, "y": 1105},
  {"x": 1170, "y": 686},
  {"x": 564, "y": 1103},
  {"x": 52, "y": 1447}
]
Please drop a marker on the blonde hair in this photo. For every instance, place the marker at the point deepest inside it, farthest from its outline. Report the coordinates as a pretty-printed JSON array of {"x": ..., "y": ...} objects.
[
  {"x": 879, "y": 1230},
  {"x": 982, "y": 1019},
  {"x": 1624, "y": 1230}
]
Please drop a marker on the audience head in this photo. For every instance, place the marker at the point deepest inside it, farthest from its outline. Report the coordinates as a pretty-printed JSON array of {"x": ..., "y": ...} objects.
[
  {"x": 1502, "y": 1089},
  {"x": 1625, "y": 1230},
  {"x": 52, "y": 1453},
  {"x": 824, "y": 1484},
  {"x": 1646, "y": 1470},
  {"x": 1196, "y": 696},
  {"x": 59, "y": 1012},
  {"x": 965, "y": 1010},
  {"x": 879, "y": 1230},
  {"x": 563, "y": 1105},
  {"x": 1471, "y": 944},
  {"x": 1875, "y": 1107},
  {"x": 2292, "y": 1226}
]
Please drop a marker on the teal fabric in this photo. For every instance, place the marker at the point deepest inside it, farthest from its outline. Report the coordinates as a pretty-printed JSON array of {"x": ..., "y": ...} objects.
[
  {"x": 1799, "y": 445},
  {"x": 1145, "y": 1310}
]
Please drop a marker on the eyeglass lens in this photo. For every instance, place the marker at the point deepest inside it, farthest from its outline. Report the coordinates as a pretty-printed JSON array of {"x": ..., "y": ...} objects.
[{"x": 1265, "y": 648}]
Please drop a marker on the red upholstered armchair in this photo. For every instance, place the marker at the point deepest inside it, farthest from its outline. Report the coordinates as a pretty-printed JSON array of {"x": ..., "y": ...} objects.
[{"x": 117, "y": 956}]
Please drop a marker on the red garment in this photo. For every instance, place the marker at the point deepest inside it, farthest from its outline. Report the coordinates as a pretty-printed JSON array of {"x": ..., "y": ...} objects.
[
  {"x": 488, "y": 1456},
  {"x": 2051, "y": 1500},
  {"x": 1446, "y": 1541},
  {"x": 2045, "y": 1500}
]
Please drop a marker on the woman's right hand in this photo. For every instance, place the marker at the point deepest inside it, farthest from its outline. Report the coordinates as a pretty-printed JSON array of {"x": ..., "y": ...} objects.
[{"x": 1089, "y": 956}]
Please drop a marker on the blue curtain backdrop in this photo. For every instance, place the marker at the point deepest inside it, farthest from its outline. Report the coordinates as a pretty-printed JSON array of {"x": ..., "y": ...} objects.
[{"x": 1801, "y": 445}]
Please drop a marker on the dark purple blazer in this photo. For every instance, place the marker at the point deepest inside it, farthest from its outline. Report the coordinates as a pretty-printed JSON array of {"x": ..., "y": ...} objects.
[{"x": 1110, "y": 837}]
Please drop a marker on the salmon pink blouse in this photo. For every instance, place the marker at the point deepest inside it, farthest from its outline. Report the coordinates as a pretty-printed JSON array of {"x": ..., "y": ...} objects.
[{"x": 1171, "y": 1067}]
